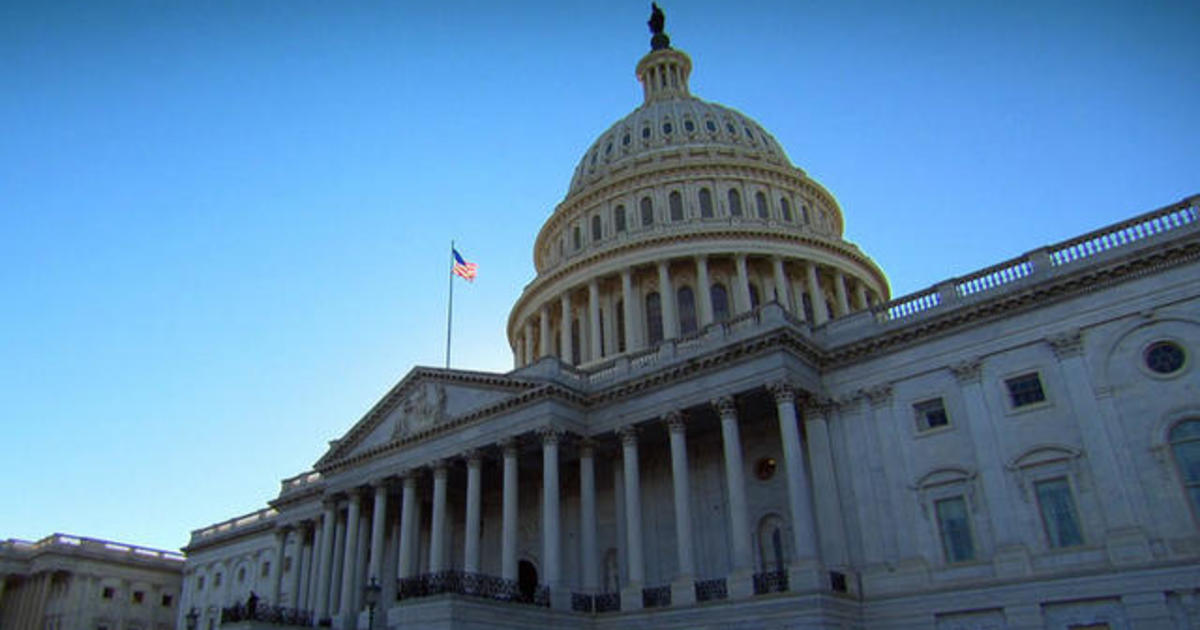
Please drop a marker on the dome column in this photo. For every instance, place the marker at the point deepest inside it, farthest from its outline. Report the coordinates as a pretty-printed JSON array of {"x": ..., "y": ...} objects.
[
  {"x": 633, "y": 328},
  {"x": 781, "y": 284},
  {"x": 544, "y": 332},
  {"x": 666, "y": 291},
  {"x": 839, "y": 291},
  {"x": 742, "y": 291},
  {"x": 860, "y": 294},
  {"x": 565, "y": 351},
  {"x": 595, "y": 351},
  {"x": 703, "y": 292},
  {"x": 820, "y": 312},
  {"x": 527, "y": 358}
]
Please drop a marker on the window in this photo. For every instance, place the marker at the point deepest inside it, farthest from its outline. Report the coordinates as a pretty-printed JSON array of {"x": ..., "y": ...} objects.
[
  {"x": 200, "y": 583},
  {"x": 241, "y": 575},
  {"x": 217, "y": 580},
  {"x": 647, "y": 211},
  {"x": 139, "y": 597},
  {"x": 266, "y": 569},
  {"x": 706, "y": 205},
  {"x": 667, "y": 127},
  {"x": 654, "y": 327},
  {"x": 576, "y": 238},
  {"x": 760, "y": 203},
  {"x": 1058, "y": 512},
  {"x": 675, "y": 203},
  {"x": 1164, "y": 357},
  {"x": 108, "y": 592},
  {"x": 595, "y": 228},
  {"x": 735, "y": 203},
  {"x": 575, "y": 349},
  {"x": 720, "y": 302},
  {"x": 807, "y": 303},
  {"x": 710, "y": 126},
  {"x": 804, "y": 212},
  {"x": 287, "y": 564},
  {"x": 167, "y": 600},
  {"x": 1025, "y": 390},
  {"x": 1185, "y": 445},
  {"x": 765, "y": 468},
  {"x": 688, "y": 125},
  {"x": 954, "y": 525},
  {"x": 753, "y": 296},
  {"x": 646, "y": 132},
  {"x": 625, "y": 140},
  {"x": 785, "y": 208},
  {"x": 687, "y": 310},
  {"x": 931, "y": 414},
  {"x": 619, "y": 219}
]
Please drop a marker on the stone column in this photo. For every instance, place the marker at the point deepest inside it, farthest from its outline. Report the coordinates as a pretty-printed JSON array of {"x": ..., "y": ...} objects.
[
  {"x": 804, "y": 539},
  {"x": 518, "y": 352},
  {"x": 378, "y": 525},
  {"x": 741, "y": 292},
  {"x": 609, "y": 327},
  {"x": 1011, "y": 558},
  {"x": 797, "y": 288},
  {"x": 1126, "y": 541},
  {"x": 544, "y": 332},
  {"x": 631, "y": 594},
  {"x": 508, "y": 551},
  {"x": 349, "y": 568},
  {"x": 816, "y": 295},
  {"x": 589, "y": 560},
  {"x": 335, "y": 577},
  {"x": 567, "y": 353},
  {"x": 551, "y": 519},
  {"x": 281, "y": 536},
  {"x": 325, "y": 560},
  {"x": 633, "y": 328},
  {"x": 437, "y": 525},
  {"x": 408, "y": 525},
  {"x": 839, "y": 292},
  {"x": 528, "y": 355},
  {"x": 860, "y": 293},
  {"x": 596, "y": 350},
  {"x": 312, "y": 577},
  {"x": 740, "y": 581},
  {"x": 703, "y": 293},
  {"x": 471, "y": 527},
  {"x": 781, "y": 285},
  {"x": 666, "y": 293},
  {"x": 683, "y": 591},
  {"x": 301, "y": 535}
]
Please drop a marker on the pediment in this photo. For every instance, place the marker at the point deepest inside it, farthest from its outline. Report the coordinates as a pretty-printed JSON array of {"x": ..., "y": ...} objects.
[{"x": 420, "y": 402}]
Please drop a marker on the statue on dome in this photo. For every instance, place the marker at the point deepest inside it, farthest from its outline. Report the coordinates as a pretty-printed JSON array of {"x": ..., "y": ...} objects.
[{"x": 658, "y": 39}]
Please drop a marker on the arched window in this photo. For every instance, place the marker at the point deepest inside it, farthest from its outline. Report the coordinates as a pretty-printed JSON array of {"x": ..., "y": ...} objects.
[
  {"x": 675, "y": 202},
  {"x": 647, "y": 211},
  {"x": 612, "y": 572},
  {"x": 620, "y": 325},
  {"x": 654, "y": 327},
  {"x": 772, "y": 544},
  {"x": 808, "y": 307},
  {"x": 720, "y": 302},
  {"x": 619, "y": 219},
  {"x": 804, "y": 211},
  {"x": 687, "y": 310},
  {"x": 785, "y": 207},
  {"x": 595, "y": 228},
  {"x": 735, "y": 203},
  {"x": 706, "y": 205},
  {"x": 576, "y": 238},
  {"x": 760, "y": 204},
  {"x": 1185, "y": 444},
  {"x": 754, "y": 301}
]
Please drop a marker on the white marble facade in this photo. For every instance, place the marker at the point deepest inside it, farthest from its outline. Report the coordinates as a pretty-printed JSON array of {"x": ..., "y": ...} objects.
[{"x": 719, "y": 414}]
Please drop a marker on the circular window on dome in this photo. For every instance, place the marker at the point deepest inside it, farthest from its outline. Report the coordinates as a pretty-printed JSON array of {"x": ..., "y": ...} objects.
[
  {"x": 625, "y": 140},
  {"x": 1164, "y": 357},
  {"x": 710, "y": 126},
  {"x": 667, "y": 127},
  {"x": 689, "y": 126},
  {"x": 765, "y": 468},
  {"x": 646, "y": 132},
  {"x": 730, "y": 129},
  {"x": 608, "y": 149}
]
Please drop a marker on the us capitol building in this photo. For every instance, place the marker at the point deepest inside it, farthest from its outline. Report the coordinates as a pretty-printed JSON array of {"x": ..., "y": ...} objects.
[{"x": 720, "y": 417}]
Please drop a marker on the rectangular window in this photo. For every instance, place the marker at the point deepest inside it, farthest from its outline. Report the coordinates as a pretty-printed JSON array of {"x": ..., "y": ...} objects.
[
  {"x": 576, "y": 238},
  {"x": 1058, "y": 512},
  {"x": 266, "y": 569},
  {"x": 167, "y": 600},
  {"x": 138, "y": 597},
  {"x": 216, "y": 580},
  {"x": 200, "y": 583},
  {"x": 1025, "y": 390},
  {"x": 108, "y": 592},
  {"x": 931, "y": 414},
  {"x": 955, "y": 527}
]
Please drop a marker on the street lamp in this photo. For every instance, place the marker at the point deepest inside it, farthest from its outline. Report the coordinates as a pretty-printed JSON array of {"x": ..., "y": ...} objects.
[
  {"x": 371, "y": 595},
  {"x": 192, "y": 617}
]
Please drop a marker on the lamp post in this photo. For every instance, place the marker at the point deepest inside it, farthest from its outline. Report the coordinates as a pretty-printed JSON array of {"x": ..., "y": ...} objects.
[
  {"x": 371, "y": 595},
  {"x": 192, "y": 618}
]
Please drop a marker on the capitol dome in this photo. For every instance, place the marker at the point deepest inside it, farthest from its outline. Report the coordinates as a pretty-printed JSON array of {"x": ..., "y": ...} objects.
[{"x": 692, "y": 196}]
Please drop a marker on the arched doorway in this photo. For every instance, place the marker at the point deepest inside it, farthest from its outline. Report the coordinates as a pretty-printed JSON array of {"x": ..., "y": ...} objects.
[{"x": 527, "y": 580}]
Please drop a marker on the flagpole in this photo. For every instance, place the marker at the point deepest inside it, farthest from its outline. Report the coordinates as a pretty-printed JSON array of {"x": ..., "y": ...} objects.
[{"x": 450, "y": 305}]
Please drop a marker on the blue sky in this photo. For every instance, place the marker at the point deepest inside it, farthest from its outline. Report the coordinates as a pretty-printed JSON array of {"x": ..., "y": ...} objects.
[{"x": 224, "y": 225}]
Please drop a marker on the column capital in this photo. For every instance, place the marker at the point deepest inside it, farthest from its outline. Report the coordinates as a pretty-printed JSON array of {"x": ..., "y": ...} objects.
[
  {"x": 725, "y": 406},
  {"x": 879, "y": 395},
  {"x": 675, "y": 420},
  {"x": 509, "y": 446},
  {"x": 550, "y": 435},
  {"x": 969, "y": 371},
  {"x": 587, "y": 447},
  {"x": 408, "y": 476},
  {"x": 820, "y": 406},
  {"x": 628, "y": 434},
  {"x": 783, "y": 392},
  {"x": 439, "y": 468},
  {"x": 1066, "y": 344},
  {"x": 472, "y": 456}
]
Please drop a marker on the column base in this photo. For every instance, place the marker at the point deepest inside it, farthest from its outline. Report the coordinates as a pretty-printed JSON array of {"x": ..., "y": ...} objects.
[
  {"x": 683, "y": 591},
  {"x": 631, "y": 597},
  {"x": 740, "y": 584}
]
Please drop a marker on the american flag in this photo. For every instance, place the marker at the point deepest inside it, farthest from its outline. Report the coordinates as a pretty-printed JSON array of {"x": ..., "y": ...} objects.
[{"x": 463, "y": 269}]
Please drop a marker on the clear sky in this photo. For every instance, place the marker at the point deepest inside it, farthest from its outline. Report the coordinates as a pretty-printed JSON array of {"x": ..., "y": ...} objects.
[{"x": 224, "y": 225}]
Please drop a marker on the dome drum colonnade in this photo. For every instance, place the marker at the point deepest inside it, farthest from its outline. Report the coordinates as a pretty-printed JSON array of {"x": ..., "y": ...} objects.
[{"x": 713, "y": 210}]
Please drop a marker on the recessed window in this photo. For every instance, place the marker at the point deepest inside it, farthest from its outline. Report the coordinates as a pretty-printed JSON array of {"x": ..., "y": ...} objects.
[
  {"x": 266, "y": 569},
  {"x": 647, "y": 211},
  {"x": 735, "y": 203},
  {"x": 241, "y": 575},
  {"x": 608, "y": 148},
  {"x": 1058, "y": 512},
  {"x": 765, "y": 468},
  {"x": 576, "y": 238},
  {"x": 689, "y": 126},
  {"x": 760, "y": 203},
  {"x": 687, "y": 310},
  {"x": 625, "y": 140},
  {"x": 954, "y": 526},
  {"x": 730, "y": 129},
  {"x": 654, "y": 325},
  {"x": 108, "y": 592},
  {"x": 706, "y": 204},
  {"x": 931, "y": 414},
  {"x": 1025, "y": 390},
  {"x": 785, "y": 208},
  {"x": 720, "y": 302},
  {"x": 596, "y": 227},
  {"x": 667, "y": 128},
  {"x": 1185, "y": 444},
  {"x": 167, "y": 600},
  {"x": 675, "y": 203},
  {"x": 200, "y": 583},
  {"x": 646, "y": 132},
  {"x": 216, "y": 580},
  {"x": 1164, "y": 357},
  {"x": 619, "y": 219},
  {"x": 710, "y": 126},
  {"x": 138, "y": 597}
]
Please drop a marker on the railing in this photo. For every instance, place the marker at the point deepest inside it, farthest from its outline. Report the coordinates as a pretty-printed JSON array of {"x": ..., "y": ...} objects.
[
  {"x": 277, "y": 615},
  {"x": 470, "y": 584},
  {"x": 993, "y": 277},
  {"x": 607, "y": 602},
  {"x": 908, "y": 305},
  {"x": 770, "y": 582},
  {"x": 709, "y": 590},
  {"x": 582, "y": 602},
  {"x": 239, "y": 522},
  {"x": 95, "y": 545},
  {"x": 656, "y": 596},
  {"x": 1122, "y": 234},
  {"x": 292, "y": 484}
]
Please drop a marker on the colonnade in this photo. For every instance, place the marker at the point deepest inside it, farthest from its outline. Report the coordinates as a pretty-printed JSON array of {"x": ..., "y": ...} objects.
[
  {"x": 608, "y": 315},
  {"x": 338, "y": 556}
]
